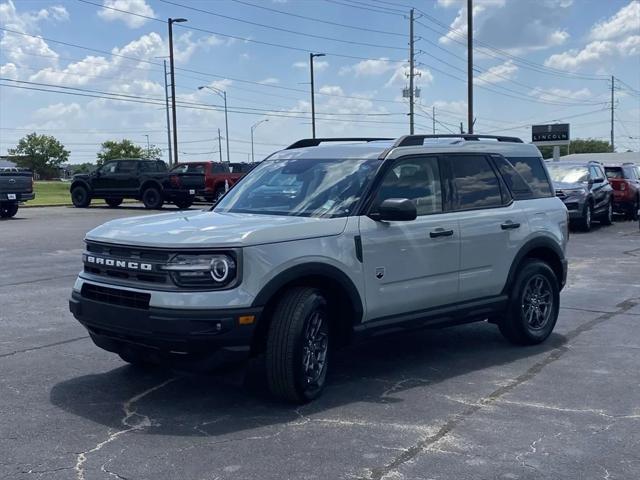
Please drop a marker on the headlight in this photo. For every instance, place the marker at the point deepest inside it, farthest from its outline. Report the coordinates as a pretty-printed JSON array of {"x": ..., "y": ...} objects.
[
  {"x": 574, "y": 191},
  {"x": 211, "y": 270}
]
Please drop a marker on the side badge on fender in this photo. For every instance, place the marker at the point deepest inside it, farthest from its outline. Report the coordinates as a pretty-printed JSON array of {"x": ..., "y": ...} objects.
[{"x": 379, "y": 272}]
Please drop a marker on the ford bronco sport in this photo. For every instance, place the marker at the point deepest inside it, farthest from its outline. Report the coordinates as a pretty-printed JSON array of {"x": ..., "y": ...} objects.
[{"x": 324, "y": 242}]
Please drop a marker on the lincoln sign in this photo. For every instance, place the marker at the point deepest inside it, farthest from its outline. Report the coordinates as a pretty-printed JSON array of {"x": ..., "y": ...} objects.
[{"x": 555, "y": 134}]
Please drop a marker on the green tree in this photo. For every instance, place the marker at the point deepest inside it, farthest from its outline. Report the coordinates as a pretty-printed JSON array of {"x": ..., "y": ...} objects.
[
  {"x": 125, "y": 148},
  {"x": 579, "y": 145},
  {"x": 86, "y": 167},
  {"x": 43, "y": 154}
]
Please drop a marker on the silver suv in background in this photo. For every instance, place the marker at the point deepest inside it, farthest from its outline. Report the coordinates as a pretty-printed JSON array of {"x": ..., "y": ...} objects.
[{"x": 327, "y": 241}]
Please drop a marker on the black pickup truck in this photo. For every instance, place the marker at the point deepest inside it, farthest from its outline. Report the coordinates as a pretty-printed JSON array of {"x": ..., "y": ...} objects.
[
  {"x": 16, "y": 185},
  {"x": 146, "y": 180}
]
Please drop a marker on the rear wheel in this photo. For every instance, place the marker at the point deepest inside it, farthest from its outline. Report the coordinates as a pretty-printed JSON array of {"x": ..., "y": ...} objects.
[
  {"x": 534, "y": 304},
  {"x": 113, "y": 202},
  {"x": 585, "y": 222},
  {"x": 297, "y": 351},
  {"x": 607, "y": 216},
  {"x": 80, "y": 197},
  {"x": 183, "y": 204},
  {"x": 9, "y": 210},
  {"x": 152, "y": 198}
]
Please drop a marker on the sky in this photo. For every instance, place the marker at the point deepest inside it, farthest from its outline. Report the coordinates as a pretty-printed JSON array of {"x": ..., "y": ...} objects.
[{"x": 86, "y": 71}]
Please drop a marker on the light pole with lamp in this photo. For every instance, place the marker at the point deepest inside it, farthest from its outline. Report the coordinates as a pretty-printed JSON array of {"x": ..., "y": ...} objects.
[
  {"x": 170, "y": 22},
  {"x": 313, "y": 96},
  {"x": 253, "y": 127},
  {"x": 223, "y": 94}
]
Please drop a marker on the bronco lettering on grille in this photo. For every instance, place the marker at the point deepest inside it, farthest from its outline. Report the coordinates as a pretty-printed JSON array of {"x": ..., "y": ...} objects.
[{"x": 110, "y": 262}]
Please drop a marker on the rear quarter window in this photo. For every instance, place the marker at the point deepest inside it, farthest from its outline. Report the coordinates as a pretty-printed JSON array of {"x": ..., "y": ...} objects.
[{"x": 532, "y": 170}]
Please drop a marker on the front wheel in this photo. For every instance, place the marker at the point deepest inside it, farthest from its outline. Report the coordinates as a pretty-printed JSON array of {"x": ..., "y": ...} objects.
[
  {"x": 534, "y": 304},
  {"x": 183, "y": 204},
  {"x": 152, "y": 198},
  {"x": 607, "y": 217},
  {"x": 297, "y": 351},
  {"x": 585, "y": 221},
  {"x": 80, "y": 197},
  {"x": 8, "y": 211}
]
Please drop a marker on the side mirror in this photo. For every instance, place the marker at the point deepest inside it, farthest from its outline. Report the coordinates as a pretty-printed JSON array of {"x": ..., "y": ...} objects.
[
  {"x": 396, "y": 209},
  {"x": 598, "y": 180}
]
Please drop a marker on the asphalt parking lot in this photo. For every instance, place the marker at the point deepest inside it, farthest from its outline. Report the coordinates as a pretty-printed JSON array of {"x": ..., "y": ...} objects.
[{"x": 459, "y": 403}]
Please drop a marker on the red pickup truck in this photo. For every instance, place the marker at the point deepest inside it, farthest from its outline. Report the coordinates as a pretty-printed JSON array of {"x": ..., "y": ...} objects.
[{"x": 218, "y": 177}]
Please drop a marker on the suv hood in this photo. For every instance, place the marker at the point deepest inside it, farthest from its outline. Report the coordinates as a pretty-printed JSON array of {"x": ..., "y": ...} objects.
[{"x": 210, "y": 229}]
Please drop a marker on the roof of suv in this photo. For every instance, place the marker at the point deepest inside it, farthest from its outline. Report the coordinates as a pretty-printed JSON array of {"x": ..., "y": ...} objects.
[{"x": 374, "y": 148}]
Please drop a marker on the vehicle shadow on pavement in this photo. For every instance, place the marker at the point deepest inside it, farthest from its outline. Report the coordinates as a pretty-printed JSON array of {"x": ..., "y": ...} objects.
[{"x": 377, "y": 371}]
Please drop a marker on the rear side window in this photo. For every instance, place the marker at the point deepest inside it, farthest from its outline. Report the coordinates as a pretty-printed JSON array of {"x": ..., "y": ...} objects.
[
  {"x": 532, "y": 170},
  {"x": 127, "y": 166},
  {"x": 218, "y": 168},
  {"x": 475, "y": 184},
  {"x": 148, "y": 167},
  {"x": 519, "y": 188}
]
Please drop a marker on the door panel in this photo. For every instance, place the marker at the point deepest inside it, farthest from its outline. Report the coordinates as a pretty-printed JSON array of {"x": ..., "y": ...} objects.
[
  {"x": 105, "y": 181},
  {"x": 413, "y": 265}
]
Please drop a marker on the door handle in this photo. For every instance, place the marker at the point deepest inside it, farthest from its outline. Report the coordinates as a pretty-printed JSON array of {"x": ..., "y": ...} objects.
[
  {"x": 440, "y": 232},
  {"x": 509, "y": 225}
]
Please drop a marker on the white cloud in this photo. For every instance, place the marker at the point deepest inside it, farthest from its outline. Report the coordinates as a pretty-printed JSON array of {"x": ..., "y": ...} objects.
[
  {"x": 300, "y": 65},
  {"x": 625, "y": 21},
  {"x": 318, "y": 65},
  {"x": 498, "y": 73},
  {"x": 270, "y": 81},
  {"x": 594, "y": 53},
  {"x": 9, "y": 70},
  {"x": 369, "y": 67},
  {"x": 331, "y": 90},
  {"x": 399, "y": 77},
  {"x": 553, "y": 94},
  {"x": 139, "y": 7}
]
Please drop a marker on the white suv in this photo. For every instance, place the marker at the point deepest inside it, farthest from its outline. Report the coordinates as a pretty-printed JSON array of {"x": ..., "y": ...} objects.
[{"x": 330, "y": 240}]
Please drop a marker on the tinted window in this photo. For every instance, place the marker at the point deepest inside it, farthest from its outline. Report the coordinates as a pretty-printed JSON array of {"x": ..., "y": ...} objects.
[
  {"x": 417, "y": 179},
  {"x": 109, "y": 168},
  {"x": 475, "y": 185},
  {"x": 218, "y": 168},
  {"x": 148, "y": 167},
  {"x": 629, "y": 173},
  {"x": 533, "y": 171},
  {"x": 519, "y": 188},
  {"x": 614, "y": 172},
  {"x": 186, "y": 168},
  {"x": 127, "y": 166}
]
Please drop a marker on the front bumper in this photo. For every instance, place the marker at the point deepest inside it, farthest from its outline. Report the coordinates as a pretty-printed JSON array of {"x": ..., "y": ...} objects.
[{"x": 183, "y": 337}]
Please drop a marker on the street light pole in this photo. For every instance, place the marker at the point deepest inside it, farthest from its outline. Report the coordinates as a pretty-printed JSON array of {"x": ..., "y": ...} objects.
[
  {"x": 171, "y": 21},
  {"x": 253, "y": 127},
  {"x": 219, "y": 146},
  {"x": 223, "y": 94},
  {"x": 313, "y": 96},
  {"x": 166, "y": 101}
]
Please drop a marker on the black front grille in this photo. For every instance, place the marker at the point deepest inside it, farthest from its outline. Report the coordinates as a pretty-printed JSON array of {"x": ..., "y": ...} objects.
[{"x": 115, "y": 296}]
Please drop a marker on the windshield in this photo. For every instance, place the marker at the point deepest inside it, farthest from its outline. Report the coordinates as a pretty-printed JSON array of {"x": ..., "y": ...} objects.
[
  {"x": 568, "y": 173},
  {"x": 301, "y": 187}
]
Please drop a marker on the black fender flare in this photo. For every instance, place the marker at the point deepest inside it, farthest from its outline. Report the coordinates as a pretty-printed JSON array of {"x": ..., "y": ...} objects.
[
  {"x": 82, "y": 183},
  {"x": 313, "y": 269},
  {"x": 535, "y": 244},
  {"x": 151, "y": 183}
]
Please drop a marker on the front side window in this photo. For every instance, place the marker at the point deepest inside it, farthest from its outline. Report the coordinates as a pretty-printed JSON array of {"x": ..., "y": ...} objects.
[
  {"x": 108, "y": 168},
  {"x": 475, "y": 184},
  {"x": 568, "y": 173},
  {"x": 533, "y": 171},
  {"x": 417, "y": 179},
  {"x": 323, "y": 188}
]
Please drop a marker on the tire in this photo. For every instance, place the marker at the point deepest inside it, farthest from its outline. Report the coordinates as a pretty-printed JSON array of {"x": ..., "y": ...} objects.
[
  {"x": 534, "y": 304},
  {"x": 80, "y": 197},
  {"x": 152, "y": 198},
  {"x": 183, "y": 204},
  {"x": 587, "y": 215},
  {"x": 113, "y": 202},
  {"x": 8, "y": 211},
  {"x": 607, "y": 217},
  {"x": 632, "y": 213},
  {"x": 299, "y": 321}
]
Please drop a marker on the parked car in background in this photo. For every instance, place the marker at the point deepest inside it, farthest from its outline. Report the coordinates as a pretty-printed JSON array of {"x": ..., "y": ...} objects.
[
  {"x": 585, "y": 191},
  {"x": 218, "y": 177},
  {"x": 146, "y": 180},
  {"x": 625, "y": 180},
  {"x": 16, "y": 185}
]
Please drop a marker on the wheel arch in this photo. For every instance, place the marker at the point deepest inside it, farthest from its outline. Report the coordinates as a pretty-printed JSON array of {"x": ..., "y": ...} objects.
[
  {"x": 150, "y": 183},
  {"x": 342, "y": 295},
  {"x": 80, "y": 183},
  {"x": 543, "y": 249}
]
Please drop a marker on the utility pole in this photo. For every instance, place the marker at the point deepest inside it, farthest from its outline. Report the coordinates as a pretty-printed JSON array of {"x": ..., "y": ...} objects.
[
  {"x": 166, "y": 102},
  {"x": 470, "y": 65},
  {"x": 613, "y": 148},
  {"x": 433, "y": 117},
  {"x": 220, "y": 145},
  {"x": 223, "y": 94},
  {"x": 148, "y": 146},
  {"x": 313, "y": 96},
  {"x": 411, "y": 70},
  {"x": 171, "y": 21}
]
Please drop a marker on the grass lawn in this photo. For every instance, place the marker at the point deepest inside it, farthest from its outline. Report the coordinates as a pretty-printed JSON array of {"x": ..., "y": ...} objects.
[{"x": 51, "y": 193}]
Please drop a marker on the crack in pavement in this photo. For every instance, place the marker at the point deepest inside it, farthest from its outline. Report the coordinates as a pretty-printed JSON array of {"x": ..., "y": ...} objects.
[
  {"x": 423, "y": 444},
  {"x": 40, "y": 347},
  {"x": 144, "y": 422}
]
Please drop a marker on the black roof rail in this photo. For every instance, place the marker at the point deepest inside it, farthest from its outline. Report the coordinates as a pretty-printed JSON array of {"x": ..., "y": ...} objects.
[
  {"x": 314, "y": 142},
  {"x": 414, "y": 140}
]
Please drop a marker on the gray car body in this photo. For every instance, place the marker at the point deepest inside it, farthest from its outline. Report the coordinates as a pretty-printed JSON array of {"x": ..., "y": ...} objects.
[{"x": 475, "y": 262}]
